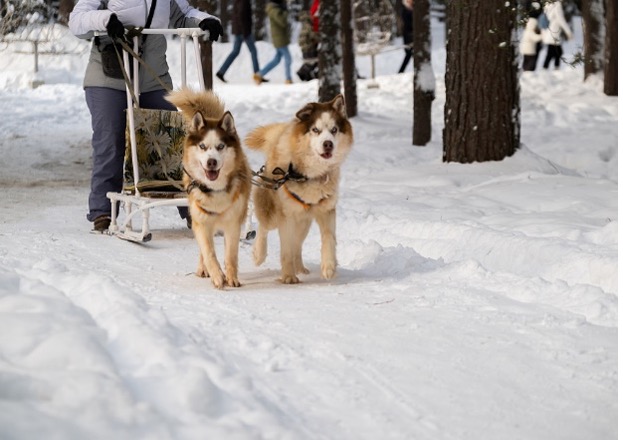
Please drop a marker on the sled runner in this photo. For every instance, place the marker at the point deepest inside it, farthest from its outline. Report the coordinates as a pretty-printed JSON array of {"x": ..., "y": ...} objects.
[{"x": 154, "y": 148}]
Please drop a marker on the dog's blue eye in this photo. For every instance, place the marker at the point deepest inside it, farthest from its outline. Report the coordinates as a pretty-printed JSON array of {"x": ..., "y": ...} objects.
[
  {"x": 219, "y": 147},
  {"x": 203, "y": 146},
  {"x": 315, "y": 130},
  {"x": 334, "y": 130}
]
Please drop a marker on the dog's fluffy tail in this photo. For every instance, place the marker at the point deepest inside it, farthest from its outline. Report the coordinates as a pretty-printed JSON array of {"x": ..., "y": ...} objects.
[
  {"x": 255, "y": 140},
  {"x": 191, "y": 102},
  {"x": 258, "y": 138}
]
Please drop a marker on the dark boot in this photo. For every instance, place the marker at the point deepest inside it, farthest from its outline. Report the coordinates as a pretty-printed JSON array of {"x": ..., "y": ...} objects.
[{"x": 101, "y": 223}]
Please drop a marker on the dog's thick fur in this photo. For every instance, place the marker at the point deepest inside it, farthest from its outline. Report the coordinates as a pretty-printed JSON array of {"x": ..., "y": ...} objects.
[
  {"x": 312, "y": 147},
  {"x": 217, "y": 178}
]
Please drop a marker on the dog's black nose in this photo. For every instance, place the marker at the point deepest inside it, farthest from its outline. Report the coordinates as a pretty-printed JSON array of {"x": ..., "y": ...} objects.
[
  {"x": 327, "y": 146},
  {"x": 211, "y": 163}
]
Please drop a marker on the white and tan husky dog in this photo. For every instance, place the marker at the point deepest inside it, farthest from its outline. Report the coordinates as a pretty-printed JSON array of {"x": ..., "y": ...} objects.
[
  {"x": 303, "y": 157},
  {"x": 217, "y": 178}
]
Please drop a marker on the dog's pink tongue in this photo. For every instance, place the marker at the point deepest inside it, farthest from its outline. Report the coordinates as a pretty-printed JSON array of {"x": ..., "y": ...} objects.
[
  {"x": 212, "y": 174},
  {"x": 327, "y": 155}
]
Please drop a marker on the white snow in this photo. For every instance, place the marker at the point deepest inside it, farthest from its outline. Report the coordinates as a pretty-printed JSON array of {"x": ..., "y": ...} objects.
[{"x": 472, "y": 301}]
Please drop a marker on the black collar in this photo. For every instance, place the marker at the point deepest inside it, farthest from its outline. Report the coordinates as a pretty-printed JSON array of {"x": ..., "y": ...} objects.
[{"x": 200, "y": 186}]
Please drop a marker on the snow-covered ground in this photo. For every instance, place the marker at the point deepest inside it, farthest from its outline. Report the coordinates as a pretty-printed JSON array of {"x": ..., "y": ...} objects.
[{"x": 472, "y": 301}]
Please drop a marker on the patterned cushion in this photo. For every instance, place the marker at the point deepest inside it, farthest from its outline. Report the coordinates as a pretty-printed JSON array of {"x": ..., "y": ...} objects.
[{"x": 159, "y": 145}]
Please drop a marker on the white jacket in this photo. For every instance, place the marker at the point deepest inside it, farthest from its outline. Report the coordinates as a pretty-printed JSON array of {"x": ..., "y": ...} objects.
[
  {"x": 557, "y": 24},
  {"x": 529, "y": 39},
  {"x": 93, "y": 15}
]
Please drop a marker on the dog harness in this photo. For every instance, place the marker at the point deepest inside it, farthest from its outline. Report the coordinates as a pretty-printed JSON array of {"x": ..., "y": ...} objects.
[
  {"x": 291, "y": 175},
  {"x": 274, "y": 184},
  {"x": 207, "y": 190}
]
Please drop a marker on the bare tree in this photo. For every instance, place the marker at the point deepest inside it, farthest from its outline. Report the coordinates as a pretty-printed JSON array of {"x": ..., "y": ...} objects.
[
  {"x": 348, "y": 58},
  {"x": 482, "y": 88},
  {"x": 329, "y": 62},
  {"x": 423, "y": 78},
  {"x": 593, "y": 17},
  {"x": 224, "y": 16},
  {"x": 64, "y": 9},
  {"x": 611, "y": 73},
  {"x": 208, "y": 6},
  {"x": 259, "y": 20}
]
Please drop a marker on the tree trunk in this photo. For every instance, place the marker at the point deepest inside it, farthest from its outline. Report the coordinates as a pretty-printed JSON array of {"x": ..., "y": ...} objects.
[
  {"x": 64, "y": 9},
  {"x": 593, "y": 17},
  {"x": 397, "y": 12},
  {"x": 348, "y": 62},
  {"x": 206, "y": 63},
  {"x": 423, "y": 77},
  {"x": 224, "y": 16},
  {"x": 208, "y": 6},
  {"x": 482, "y": 89},
  {"x": 329, "y": 63},
  {"x": 259, "y": 20},
  {"x": 611, "y": 58}
]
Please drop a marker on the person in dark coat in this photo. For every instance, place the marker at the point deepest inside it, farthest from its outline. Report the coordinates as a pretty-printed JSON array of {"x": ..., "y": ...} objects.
[
  {"x": 242, "y": 29},
  {"x": 407, "y": 32}
]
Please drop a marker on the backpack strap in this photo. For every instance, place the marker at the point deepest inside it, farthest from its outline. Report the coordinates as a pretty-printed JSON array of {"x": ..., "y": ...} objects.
[{"x": 152, "y": 8}]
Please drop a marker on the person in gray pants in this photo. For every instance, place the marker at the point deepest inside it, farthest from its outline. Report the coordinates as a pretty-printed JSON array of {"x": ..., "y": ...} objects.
[
  {"x": 108, "y": 121},
  {"x": 104, "y": 86}
]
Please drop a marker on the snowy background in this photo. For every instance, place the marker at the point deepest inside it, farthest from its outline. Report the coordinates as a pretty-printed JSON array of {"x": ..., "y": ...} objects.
[{"x": 472, "y": 301}]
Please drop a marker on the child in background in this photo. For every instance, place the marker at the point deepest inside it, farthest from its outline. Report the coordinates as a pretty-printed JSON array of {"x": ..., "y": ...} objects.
[{"x": 528, "y": 44}]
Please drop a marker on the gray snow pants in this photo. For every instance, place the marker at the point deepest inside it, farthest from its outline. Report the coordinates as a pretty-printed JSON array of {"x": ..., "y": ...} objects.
[{"x": 108, "y": 123}]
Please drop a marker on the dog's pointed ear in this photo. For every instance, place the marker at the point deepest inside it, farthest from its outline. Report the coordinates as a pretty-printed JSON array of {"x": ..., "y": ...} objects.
[
  {"x": 197, "y": 123},
  {"x": 305, "y": 113},
  {"x": 339, "y": 105},
  {"x": 227, "y": 123}
]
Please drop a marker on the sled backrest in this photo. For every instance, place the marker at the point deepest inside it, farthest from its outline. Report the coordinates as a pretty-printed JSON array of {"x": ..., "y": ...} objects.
[{"x": 159, "y": 149}]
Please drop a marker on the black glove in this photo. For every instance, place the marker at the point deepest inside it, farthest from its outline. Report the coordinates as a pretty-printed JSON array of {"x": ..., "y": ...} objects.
[
  {"x": 115, "y": 28},
  {"x": 213, "y": 26}
]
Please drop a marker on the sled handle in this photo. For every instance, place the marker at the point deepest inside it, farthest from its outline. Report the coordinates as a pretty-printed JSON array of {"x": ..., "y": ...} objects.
[{"x": 184, "y": 33}]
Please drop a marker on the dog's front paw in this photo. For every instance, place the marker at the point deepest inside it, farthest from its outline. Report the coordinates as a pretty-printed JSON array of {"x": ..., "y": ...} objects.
[
  {"x": 289, "y": 279},
  {"x": 328, "y": 270},
  {"x": 218, "y": 280},
  {"x": 233, "y": 282},
  {"x": 219, "y": 283},
  {"x": 202, "y": 272}
]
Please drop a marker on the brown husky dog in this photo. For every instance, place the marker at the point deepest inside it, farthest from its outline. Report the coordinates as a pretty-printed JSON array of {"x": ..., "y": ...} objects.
[
  {"x": 217, "y": 178},
  {"x": 303, "y": 159}
]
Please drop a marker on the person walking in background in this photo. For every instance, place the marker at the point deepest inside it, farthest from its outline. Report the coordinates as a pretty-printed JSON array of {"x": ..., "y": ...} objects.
[
  {"x": 407, "y": 32},
  {"x": 242, "y": 29},
  {"x": 104, "y": 86},
  {"x": 528, "y": 45},
  {"x": 277, "y": 12},
  {"x": 552, "y": 35}
]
